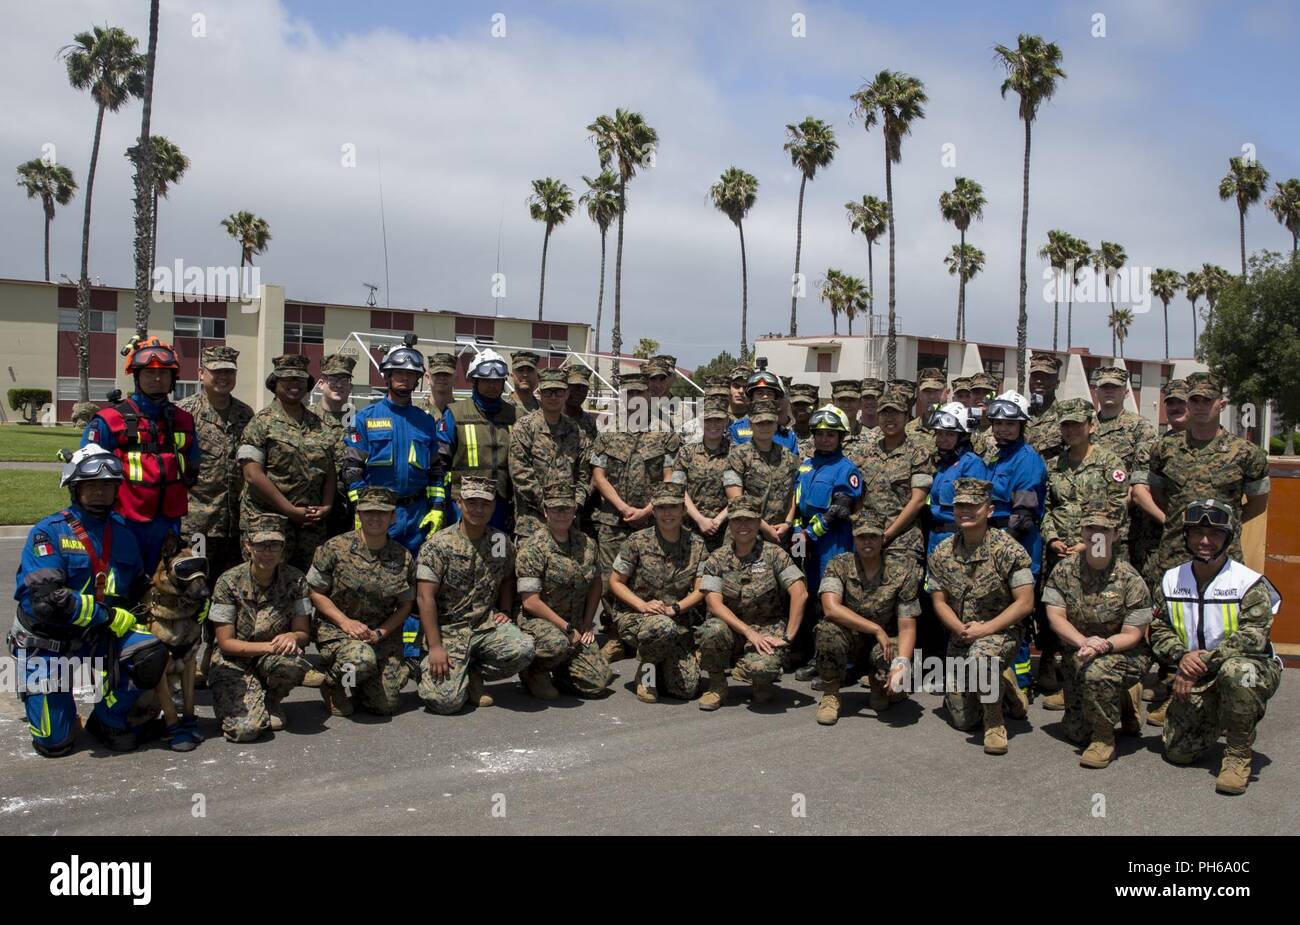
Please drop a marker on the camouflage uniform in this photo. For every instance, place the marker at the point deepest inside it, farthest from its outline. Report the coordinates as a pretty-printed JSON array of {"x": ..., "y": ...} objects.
[
  {"x": 1043, "y": 432},
  {"x": 700, "y": 471},
  {"x": 755, "y": 589},
  {"x": 541, "y": 452},
  {"x": 524, "y": 404},
  {"x": 1124, "y": 435},
  {"x": 905, "y": 467},
  {"x": 368, "y": 586},
  {"x": 438, "y": 363},
  {"x": 767, "y": 477},
  {"x": 561, "y": 573},
  {"x": 468, "y": 574},
  {"x": 1099, "y": 603},
  {"x": 1100, "y": 478},
  {"x": 241, "y": 685},
  {"x": 883, "y": 598}
]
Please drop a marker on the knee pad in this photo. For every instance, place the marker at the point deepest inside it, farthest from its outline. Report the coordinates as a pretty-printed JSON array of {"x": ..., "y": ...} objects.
[
  {"x": 145, "y": 665},
  {"x": 54, "y": 751}
]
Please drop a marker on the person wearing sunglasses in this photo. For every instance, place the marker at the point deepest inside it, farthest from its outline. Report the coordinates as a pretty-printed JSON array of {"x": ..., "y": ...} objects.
[
  {"x": 1212, "y": 618},
  {"x": 156, "y": 442}
]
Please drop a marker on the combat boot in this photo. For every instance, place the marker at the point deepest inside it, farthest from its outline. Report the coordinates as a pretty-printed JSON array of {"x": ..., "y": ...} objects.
[
  {"x": 1234, "y": 773},
  {"x": 995, "y": 730},
  {"x": 613, "y": 650},
  {"x": 880, "y": 701},
  {"x": 762, "y": 691},
  {"x": 1101, "y": 750},
  {"x": 739, "y": 674},
  {"x": 476, "y": 696},
  {"x": 1014, "y": 700},
  {"x": 716, "y": 694},
  {"x": 538, "y": 682},
  {"x": 1055, "y": 701},
  {"x": 1130, "y": 711},
  {"x": 1156, "y": 716},
  {"x": 275, "y": 712},
  {"x": 337, "y": 701},
  {"x": 643, "y": 693},
  {"x": 1049, "y": 676},
  {"x": 828, "y": 711}
]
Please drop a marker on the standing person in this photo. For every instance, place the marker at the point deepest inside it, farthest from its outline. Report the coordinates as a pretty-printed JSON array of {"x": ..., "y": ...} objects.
[
  {"x": 660, "y": 372},
  {"x": 756, "y": 597},
  {"x": 981, "y": 586},
  {"x": 559, "y": 589},
  {"x": 764, "y": 386},
  {"x": 262, "y": 611},
  {"x": 868, "y": 417},
  {"x": 932, "y": 394},
  {"x": 1212, "y": 620},
  {"x": 155, "y": 441},
  {"x": 288, "y": 462},
  {"x": 547, "y": 447},
  {"x": 846, "y": 394},
  {"x": 466, "y": 584},
  {"x": 1174, "y": 395},
  {"x": 336, "y": 413},
  {"x": 1044, "y": 432},
  {"x": 1099, "y": 609},
  {"x": 717, "y": 390},
  {"x": 442, "y": 378},
  {"x": 523, "y": 373},
  {"x": 766, "y": 471},
  {"x": 393, "y": 444},
  {"x": 961, "y": 391},
  {"x": 740, "y": 374},
  {"x": 803, "y": 401},
  {"x": 656, "y": 581},
  {"x": 578, "y": 380},
  {"x": 1122, "y": 432},
  {"x": 982, "y": 389},
  {"x": 474, "y": 437},
  {"x": 699, "y": 468}
]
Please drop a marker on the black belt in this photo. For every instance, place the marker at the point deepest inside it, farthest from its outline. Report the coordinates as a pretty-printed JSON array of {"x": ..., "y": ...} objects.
[{"x": 19, "y": 638}]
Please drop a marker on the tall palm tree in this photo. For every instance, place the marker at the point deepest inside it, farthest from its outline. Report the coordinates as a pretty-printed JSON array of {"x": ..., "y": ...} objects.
[
  {"x": 895, "y": 100},
  {"x": 1165, "y": 285},
  {"x": 1080, "y": 255},
  {"x": 734, "y": 195},
  {"x": 1058, "y": 252},
  {"x": 552, "y": 203},
  {"x": 1245, "y": 182},
  {"x": 1108, "y": 259},
  {"x": 252, "y": 233},
  {"x": 964, "y": 261},
  {"x": 855, "y": 300},
  {"x": 1033, "y": 69},
  {"x": 144, "y": 185},
  {"x": 627, "y": 140},
  {"x": 831, "y": 291},
  {"x": 1285, "y": 206},
  {"x": 1213, "y": 281},
  {"x": 103, "y": 61},
  {"x": 601, "y": 200},
  {"x": 960, "y": 205},
  {"x": 811, "y": 145},
  {"x": 1120, "y": 320},
  {"x": 169, "y": 166},
  {"x": 870, "y": 218},
  {"x": 1194, "y": 287},
  {"x": 53, "y": 185}
]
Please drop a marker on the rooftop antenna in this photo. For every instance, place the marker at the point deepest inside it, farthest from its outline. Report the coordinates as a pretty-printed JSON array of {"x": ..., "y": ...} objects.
[
  {"x": 383, "y": 225},
  {"x": 370, "y": 299},
  {"x": 497, "y": 300}
]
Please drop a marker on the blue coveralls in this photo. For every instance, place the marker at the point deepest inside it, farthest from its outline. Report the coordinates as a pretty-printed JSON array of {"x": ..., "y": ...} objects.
[
  {"x": 821, "y": 477},
  {"x": 447, "y": 451},
  {"x": 149, "y": 534},
  {"x": 942, "y": 521},
  {"x": 53, "y": 552},
  {"x": 398, "y": 445},
  {"x": 740, "y": 432}
]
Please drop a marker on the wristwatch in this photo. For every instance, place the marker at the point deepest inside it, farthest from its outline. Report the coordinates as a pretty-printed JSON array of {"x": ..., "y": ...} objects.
[{"x": 677, "y": 609}]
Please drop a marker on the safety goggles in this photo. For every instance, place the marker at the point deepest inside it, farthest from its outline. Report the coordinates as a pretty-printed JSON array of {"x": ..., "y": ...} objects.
[
  {"x": 826, "y": 420},
  {"x": 942, "y": 420},
  {"x": 155, "y": 357},
  {"x": 97, "y": 467},
  {"x": 187, "y": 568},
  {"x": 1209, "y": 515},
  {"x": 493, "y": 369},
  {"x": 1005, "y": 411}
]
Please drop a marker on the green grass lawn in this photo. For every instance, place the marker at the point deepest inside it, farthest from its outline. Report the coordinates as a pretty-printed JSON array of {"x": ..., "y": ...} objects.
[
  {"x": 35, "y": 444},
  {"x": 27, "y": 495}
]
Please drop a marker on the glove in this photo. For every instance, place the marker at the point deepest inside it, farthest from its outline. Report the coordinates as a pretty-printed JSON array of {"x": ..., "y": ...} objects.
[
  {"x": 841, "y": 508},
  {"x": 51, "y": 599},
  {"x": 432, "y": 522},
  {"x": 1020, "y": 523},
  {"x": 122, "y": 623}
]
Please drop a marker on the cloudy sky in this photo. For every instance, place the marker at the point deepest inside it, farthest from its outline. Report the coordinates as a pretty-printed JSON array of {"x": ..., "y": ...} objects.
[{"x": 264, "y": 102}]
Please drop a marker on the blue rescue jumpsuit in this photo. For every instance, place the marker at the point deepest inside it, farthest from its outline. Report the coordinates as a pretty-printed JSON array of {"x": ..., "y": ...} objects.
[
  {"x": 741, "y": 432},
  {"x": 968, "y": 464},
  {"x": 398, "y": 447}
]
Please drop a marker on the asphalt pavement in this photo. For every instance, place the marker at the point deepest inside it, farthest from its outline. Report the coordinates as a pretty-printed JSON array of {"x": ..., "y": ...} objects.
[{"x": 620, "y": 766}]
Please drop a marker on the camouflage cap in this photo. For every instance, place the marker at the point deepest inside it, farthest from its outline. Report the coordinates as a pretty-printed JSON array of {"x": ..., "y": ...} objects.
[
  {"x": 895, "y": 398},
  {"x": 338, "y": 364},
  {"x": 634, "y": 382},
  {"x": 665, "y": 493},
  {"x": 1206, "y": 385},
  {"x": 1110, "y": 375},
  {"x": 873, "y": 387},
  {"x": 746, "y": 506},
  {"x": 741, "y": 371},
  {"x": 972, "y": 491},
  {"x": 660, "y": 365},
  {"x": 558, "y": 493},
  {"x": 717, "y": 385},
  {"x": 846, "y": 388},
  {"x": 1045, "y": 363},
  {"x": 375, "y": 498},
  {"x": 1099, "y": 515},
  {"x": 577, "y": 375},
  {"x": 869, "y": 521},
  {"x": 1077, "y": 410},
  {"x": 786, "y": 382},
  {"x": 1175, "y": 388},
  {"x": 931, "y": 378},
  {"x": 266, "y": 528},
  {"x": 556, "y": 379},
  {"x": 714, "y": 406},
  {"x": 288, "y": 366},
  {"x": 476, "y": 486},
  {"x": 765, "y": 409},
  {"x": 961, "y": 384},
  {"x": 983, "y": 381},
  {"x": 906, "y": 385},
  {"x": 214, "y": 358},
  {"x": 442, "y": 363},
  {"x": 524, "y": 359},
  {"x": 803, "y": 393}
]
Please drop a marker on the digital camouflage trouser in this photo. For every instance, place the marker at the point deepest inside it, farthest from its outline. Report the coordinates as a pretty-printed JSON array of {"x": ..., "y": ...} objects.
[
  {"x": 660, "y": 640},
  {"x": 1233, "y": 703},
  {"x": 838, "y": 647},
  {"x": 720, "y": 648},
  {"x": 609, "y": 540},
  {"x": 373, "y": 674},
  {"x": 496, "y": 650},
  {"x": 1095, "y": 692},
  {"x": 239, "y": 693},
  {"x": 991, "y": 655},
  {"x": 579, "y": 669}
]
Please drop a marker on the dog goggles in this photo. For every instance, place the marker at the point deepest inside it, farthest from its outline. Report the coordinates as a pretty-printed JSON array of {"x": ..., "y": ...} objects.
[{"x": 190, "y": 567}]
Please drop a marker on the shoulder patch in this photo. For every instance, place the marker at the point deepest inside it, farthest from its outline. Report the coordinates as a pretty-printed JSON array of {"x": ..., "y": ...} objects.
[
  {"x": 379, "y": 424},
  {"x": 71, "y": 544},
  {"x": 854, "y": 481},
  {"x": 1119, "y": 475}
]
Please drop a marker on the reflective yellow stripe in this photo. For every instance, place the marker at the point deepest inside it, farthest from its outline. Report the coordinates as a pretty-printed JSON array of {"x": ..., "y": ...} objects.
[
  {"x": 353, "y": 494},
  {"x": 85, "y": 611},
  {"x": 1022, "y": 667},
  {"x": 1176, "y": 611},
  {"x": 134, "y": 467},
  {"x": 411, "y": 458},
  {"x": 43, "y": 731},
  {"x": 110, "y": 699},
  {"x": 1230, "y": 624},
  {"x": 471, "y": 446},
  {"x": 408, "y": 637}
]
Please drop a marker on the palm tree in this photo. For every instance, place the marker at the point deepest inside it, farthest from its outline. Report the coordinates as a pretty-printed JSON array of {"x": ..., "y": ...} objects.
[
  {"x": 1080, "y": 255},
  {"x": 734, "y": 195},
  {"x": 1213, "y": 280},
  {"x": 831, "y": 291},
  {"x": 1108, "y": 259},
  {"x": 169, "y": 166},
  {"x": 624, "y": 138},
  {"x": 1059, "y": 253},
  {"x": 144, "y": 186},
  {"x": 552, "y": 203},
  {"x": 811, "y": 145},
  {"x": 1165, "y": 285},
  {"x": 105, "y": 62},
  {"x": 1194, "y": 287},
  {"x": 1245, "y": 182},
  {"x": 1120, "y": 319},
  {"x": 601, "y": 200},
  {"x": 53, "y": 185},
  {"x": 252, "y": 233},
  {"x": 964, "y": 203},
  {"x": 964, "y": 261},
  {"x": 1285, "y": 206},
  {"x": 870, "y": 218},
  {"x": 895, "y": 100},
  {"x": 854, "y": 298},
  {"x": 1033, "y": 69}
]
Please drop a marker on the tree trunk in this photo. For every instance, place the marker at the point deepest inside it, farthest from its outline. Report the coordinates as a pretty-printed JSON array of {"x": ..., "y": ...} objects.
[
  {"x": 891, "y": 349},
  {"x": 871, "y": 288},
  {"x": 835, "y": 321},
  {"x": 850, "y": 320},
  {"x": 153, "y": 236},
  {"x": 541, "y": 289},
  {"x": 1241, "y": 231},
  {"x": 144, "y": 185},
  {"x": 1056, "y": 312},
  {"x": 1069, "y": 318},
  {"x": 1166, "y": 304},
  {"x": 47, "y": 245},
  {"x": 600, "y": 301},
  {"x": 1112, "y": 329},
  {"x": 798, "y": 247},
  {"x": 83, "y": 285},
  {"x": 1022, "y": 320},
  {"x": 1196, "y": 338},
  {"x": 616, "y": 337},
  {"x": 744, "y": 295},
  {"x": 961, "y": 287}
]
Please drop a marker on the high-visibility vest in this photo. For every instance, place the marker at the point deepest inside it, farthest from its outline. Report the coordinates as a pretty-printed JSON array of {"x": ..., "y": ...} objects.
[
  {"x": 482, "y": 446},
  {"x": 153, "y": 455},
  {"x": 1202, "y": 620}
]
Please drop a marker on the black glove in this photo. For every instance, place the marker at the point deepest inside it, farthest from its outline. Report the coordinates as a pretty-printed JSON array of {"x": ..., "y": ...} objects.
[
  {"x": 51, "y": 599},
  {"x": 841, "y": 507},
  {"x": 1021, "y": 523}
]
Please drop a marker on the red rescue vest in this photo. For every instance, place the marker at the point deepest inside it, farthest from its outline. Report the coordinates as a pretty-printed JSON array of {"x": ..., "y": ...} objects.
[{"x": 153, "y": 455}]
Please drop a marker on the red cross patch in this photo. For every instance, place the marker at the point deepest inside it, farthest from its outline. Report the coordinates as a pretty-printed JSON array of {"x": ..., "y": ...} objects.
[
  {"x": 854, "y": 481},
  {"x": 1118, "y": 475}
]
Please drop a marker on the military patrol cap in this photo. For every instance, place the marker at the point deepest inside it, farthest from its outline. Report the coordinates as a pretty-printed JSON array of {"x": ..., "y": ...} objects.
[
  {"x": 746, "y": 506},
  {"x": 1045, "y": 363},
  {"x": 266, "y": 528},
  {"x": 552, "y": 379},
  {"x": 741, "y": 371},
  {"x": 660, "y": 364},
  {"x": 907, "y": 386},
  {"x": 1110, "y": 375},
  {"x": 375, "y": 498},
  {"x": 524, "y": 359},
  {"x": 765, "y": 409},
  {"x": 846, "y": 388},
  {"x": 214, "y": 358},
  {"x": 873, "y": 387},
  {"x": 338, "y": 364},
  {"x": 577, "y": 375},
  {"x": 475, "y": 486},
  {"x": 1175, "y": 388},
  {"x": 895, "y": 398},
  {"x": 1206, "y": 385},
  {"x": 1099, "y": 515},
  {"x": 931, "y": 378},
  {"x": 665, "y": 493},
  {"x": 803, "y": 393},
  {"x": 715, "y": 407},
  {"x": 972, "y": 491},
  {"x": 717, "y": 385},
  {"x": 288, "y": 366},
  {"x": 442, "y": 363},
  {"x": 634, "y": 382},
  {"x": 983, "y": 381},
  {"x": 868, "y": 521},
  {"x": 557, "y": 494},
  {"x": 1078, "y": 410},
  {"x": 961, "y": 384}
]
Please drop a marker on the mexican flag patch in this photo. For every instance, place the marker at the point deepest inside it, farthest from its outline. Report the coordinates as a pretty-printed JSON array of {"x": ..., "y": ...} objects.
[{"x": 41, "y": 546}]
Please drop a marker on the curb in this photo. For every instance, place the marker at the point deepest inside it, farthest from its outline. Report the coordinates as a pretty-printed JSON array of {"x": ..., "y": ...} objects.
[{"x": 15, "y": 531}]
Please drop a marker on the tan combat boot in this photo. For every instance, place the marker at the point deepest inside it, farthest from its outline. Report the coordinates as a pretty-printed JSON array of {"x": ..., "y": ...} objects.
[
  {"x": 1130, "y": 709},
  {"x": 763, "y": 691},
  {"x": 828, "y": 711},
  {"x": 538, "y": 682},
  {"x": 1101, "y": 750},
  {"x": 1049, "y": 677},
  {"x": 716, "y": 694},
  {"x": 739, "y": 674},
  {"x": 1014, "y": 701},
  {"x": 476, "y": 696},
  {"x": 1156, "y": 716},
  {"x": 880, "y": 699},
  {"x": 995, "y": 730},
  {"x": 314, "y": 678},
  {"x": 337, "y": 701},
  {"x": 275, "y": 712},
  {"x": 1234, "y": 773},
  {"x": 1055, "y": 701},
  {"x": 613, "y": 650},
  {"x": 643, "y": 693}
]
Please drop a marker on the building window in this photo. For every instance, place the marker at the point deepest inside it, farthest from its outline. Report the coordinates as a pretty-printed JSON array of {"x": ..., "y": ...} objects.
[
  {"x": 476, "y": 331},
  {"x": 824, "y": 363},
  {"x": 101, "y": 322},
  {"x": 298, "y": 333},
  {"x": 1135, "y": 381},
  {"x": 184, "y": 390},
  {"x": 995, "y": 368},
  {"x": 937, "y": 361},
  {"x": 69, "y": 389},
  {"x": 552, "y": 338},
  {"x": 206, "y": 328}
]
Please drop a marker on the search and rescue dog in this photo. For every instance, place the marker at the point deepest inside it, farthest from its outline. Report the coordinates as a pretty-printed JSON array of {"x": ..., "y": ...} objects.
[{"x": 76, "y": 877}]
